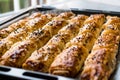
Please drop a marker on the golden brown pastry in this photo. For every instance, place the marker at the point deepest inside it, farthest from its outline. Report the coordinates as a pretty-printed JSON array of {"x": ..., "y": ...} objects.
[
  {"x": 20, "y": 51},
  {"x": 89, "y": 32},
  {"x": 41, "y": 59},
  {"x": 100, "y": 64},
  {"x": 107, "y": 39},
  {"x": 67, "y": 63},
  {"x": 110, "y": 35},
  {"x": 21, "y": 33},
  {"x": 66, "y": 15},
  {"x": 21, "y": 23},
  {"x": 70, "y": 60},
  {"x": 96, "y": 18},
  {"x": 86, "y": 39},
  {"x": 92, "y": 28},
  {"x": 112, "y": 23},
  {"x": 34, "y": 15}
]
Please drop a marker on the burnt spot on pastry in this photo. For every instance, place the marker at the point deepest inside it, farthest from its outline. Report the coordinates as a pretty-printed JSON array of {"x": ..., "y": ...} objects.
[{"x": 36, "y": 65}]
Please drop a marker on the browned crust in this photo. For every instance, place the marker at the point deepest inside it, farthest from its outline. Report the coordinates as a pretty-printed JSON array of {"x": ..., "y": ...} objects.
[
  {"x": 69, "y": 62},
  {"x": 37, "y": 38},
  {"x": 21, "y": 23},
  {"x": 100, "y": 64},
  {"x": 45, "y": 55},
  {"x": 21, "y": 33}
]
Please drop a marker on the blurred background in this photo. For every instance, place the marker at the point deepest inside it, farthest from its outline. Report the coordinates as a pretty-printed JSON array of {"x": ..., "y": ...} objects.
[
  {"x": 8, "y": 7},
  {"x": 16, "y": 5}
]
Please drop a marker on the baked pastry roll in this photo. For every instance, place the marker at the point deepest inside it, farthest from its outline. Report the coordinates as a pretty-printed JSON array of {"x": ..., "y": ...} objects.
[
  {"x": 112, "y": 23},
  {"x": 70, "y": 60},
  {"x": 86, "y": 39},
  {"x": 21, "y": 33},
  {"x": 111, "y": 34},
  {"x": 19, "y": 24},
  {"x": 65, "y": 15},
  {"x": 20, "y": 51},
  {"x": 96, "y": 18},
  {"x": 92, "y": 28},
  {"x": 107, "y": 39},
  {"x": 89, "y": 32},
  {"x": 34, "y": 15},
  {"x": 100, "y": 64},
  {"x": 41, "y": 59}
]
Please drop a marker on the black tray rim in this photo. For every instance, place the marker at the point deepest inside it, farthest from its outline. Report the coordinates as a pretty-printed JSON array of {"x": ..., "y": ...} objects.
[{"x": 89, "y": 11}]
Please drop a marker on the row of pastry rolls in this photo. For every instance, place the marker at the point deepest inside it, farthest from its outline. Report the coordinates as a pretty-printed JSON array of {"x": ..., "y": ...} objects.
[
  {"x": 70, "y": 60},
  {"x": 21, "y": 33},
  {"x": 41, "y": 59},
  {"x": 20, "y": 51},
  {"x": 19, "y": 24},
  {"x": 100, "y": 64}
]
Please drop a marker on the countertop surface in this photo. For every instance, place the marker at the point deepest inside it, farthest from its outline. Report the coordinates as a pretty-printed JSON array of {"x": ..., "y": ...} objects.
[{"x": 107, "y": 5}]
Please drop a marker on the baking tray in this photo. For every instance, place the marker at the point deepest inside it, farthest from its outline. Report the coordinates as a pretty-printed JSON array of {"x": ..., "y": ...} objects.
[{"x": 11, "y": 73}]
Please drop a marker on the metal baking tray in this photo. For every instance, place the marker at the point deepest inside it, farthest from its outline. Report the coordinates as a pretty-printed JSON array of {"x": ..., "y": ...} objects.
[{"x": 11, "y": 73}]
